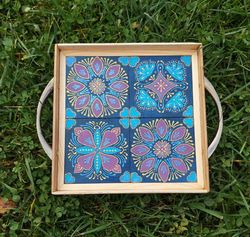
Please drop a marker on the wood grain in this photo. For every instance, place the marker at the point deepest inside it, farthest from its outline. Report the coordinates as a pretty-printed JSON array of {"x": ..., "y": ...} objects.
[{"x": 193, "y": 49}]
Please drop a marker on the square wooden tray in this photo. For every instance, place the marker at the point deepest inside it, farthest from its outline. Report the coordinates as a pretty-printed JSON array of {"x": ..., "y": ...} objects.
[{"x": 142, "y": 77}]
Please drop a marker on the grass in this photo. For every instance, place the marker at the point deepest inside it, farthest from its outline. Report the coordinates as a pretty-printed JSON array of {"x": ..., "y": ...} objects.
[{"x": 28, "y": 31}]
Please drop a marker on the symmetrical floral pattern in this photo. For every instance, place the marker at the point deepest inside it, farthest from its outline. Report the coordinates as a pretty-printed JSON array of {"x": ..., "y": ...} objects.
[
  {"x": 161, "y": 85},
  {"x": 97, "y": 86},
  {"x": 130, "y": 117},
  {"x": 97, "y": 150},
  {"x": 163, "y": 150},
  {"x": 113, "y": 138}
]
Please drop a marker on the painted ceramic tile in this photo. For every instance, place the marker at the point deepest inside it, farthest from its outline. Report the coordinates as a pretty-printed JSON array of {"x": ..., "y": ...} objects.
[
  {"x": 97, "y": 87},
  {"x": 156, "y": 86},
  {"x": 129, "y": 119},
  {"x": 161, "y": 86},
  {"x": 96, "y": 151},
  {"x": 163, "y": 150}
]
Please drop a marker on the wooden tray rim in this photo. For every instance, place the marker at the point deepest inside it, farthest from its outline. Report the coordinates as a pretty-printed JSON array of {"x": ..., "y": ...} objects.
[{"x": 125, "y": 49}]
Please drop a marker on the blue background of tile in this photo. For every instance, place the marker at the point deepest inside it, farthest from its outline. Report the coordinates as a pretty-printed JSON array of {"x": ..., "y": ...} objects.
[
  {"x": 181, "y": 179},
  {"x": 76, "y": 119},
  {"x": 130, "y": 101},
  {"x": 68, "y": 166}
]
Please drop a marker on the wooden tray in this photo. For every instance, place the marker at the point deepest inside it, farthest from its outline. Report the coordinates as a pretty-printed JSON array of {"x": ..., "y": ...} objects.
[{"x": 129, "y": 118}]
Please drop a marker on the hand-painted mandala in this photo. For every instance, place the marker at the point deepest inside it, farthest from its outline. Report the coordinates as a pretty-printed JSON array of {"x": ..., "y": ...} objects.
[
  {"x": 97, "y": 86},
  {"x": 163, "y": 150},
  {"x": 161, "y": 86},
  {"x": 97, "y": 150}
]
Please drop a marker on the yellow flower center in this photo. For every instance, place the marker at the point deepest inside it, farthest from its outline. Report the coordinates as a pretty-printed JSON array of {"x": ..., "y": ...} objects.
[
  {"x": 97, "y": 86},
  {"x": 162, "y": 149}
]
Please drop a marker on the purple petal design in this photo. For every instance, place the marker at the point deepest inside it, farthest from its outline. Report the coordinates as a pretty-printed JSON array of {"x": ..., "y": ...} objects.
[
  {"x": 109, "y": 138},
  {"x": 86, "y": 138},
  {"x": 84, "y": 162},
  {"x": 119, "y": 86},
  {"x": 140, "y": 150},
  {"x": 147, "y": 165},
  {"x": 81, "y": 71},
  {"x": 82, "y": 101},
  {"x": 161, "y": 86},
  {"x": 113, "y": 102},
  {"x": 163, "y": 171},
  {"x": 161, "y": 128},
  {"x": 178, "y": 133},
  {"x": 179, "y": 164},
  {"x": 110, "y": 163},
  {"x": 97, "y": 108},
  {"x": 113, "y": 71},
  {"x": 97, "y": 65},
  {"x": 184, "y": 149},
  {"x": 146, "y": 134},
  {"x": 75, "y": 86}
]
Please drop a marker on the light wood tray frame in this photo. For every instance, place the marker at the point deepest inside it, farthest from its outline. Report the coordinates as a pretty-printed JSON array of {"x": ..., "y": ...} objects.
[{"x": 140, "y": 49}]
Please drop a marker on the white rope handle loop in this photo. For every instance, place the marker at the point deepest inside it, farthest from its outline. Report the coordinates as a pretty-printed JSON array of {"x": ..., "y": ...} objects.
[
  {"x": 209, "y": 87},
  {"x": 48, "y": 89}
]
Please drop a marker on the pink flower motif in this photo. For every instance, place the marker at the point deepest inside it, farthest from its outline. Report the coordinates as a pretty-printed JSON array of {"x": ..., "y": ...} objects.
[
  {"x": 97, "y": 87},
  {"x": 163, "y": 149},
  {"x": 101, "y": 154}
]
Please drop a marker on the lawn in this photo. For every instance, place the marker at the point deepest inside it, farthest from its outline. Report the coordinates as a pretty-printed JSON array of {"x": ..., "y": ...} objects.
[{"x": 28, "y": 31}]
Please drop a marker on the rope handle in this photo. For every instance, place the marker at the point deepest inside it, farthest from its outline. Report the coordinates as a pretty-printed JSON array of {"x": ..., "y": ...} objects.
[
  {"x": 49, "y": 88},
  {"x": 209, "y": 87}
]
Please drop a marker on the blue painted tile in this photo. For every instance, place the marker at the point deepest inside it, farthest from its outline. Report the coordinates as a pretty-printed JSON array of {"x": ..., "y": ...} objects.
[
  {"x": 161, "y": 86},
  {"x": 144, "y": 104},
  {"x": 96, "y": 87},
  {"x": 100, "y": 87},
  {"x": 163, "y": 150},
  {"x": 96, "y": 151}
]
